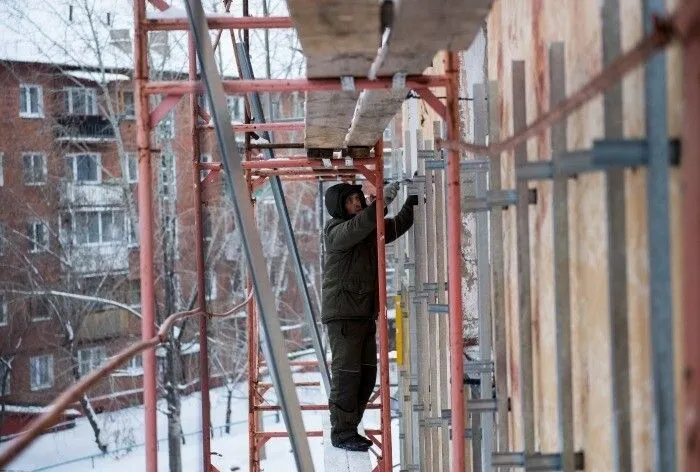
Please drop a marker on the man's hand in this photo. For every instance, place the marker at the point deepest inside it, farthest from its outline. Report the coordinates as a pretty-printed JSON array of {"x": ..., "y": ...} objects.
[{"x": 390, "y": 192}]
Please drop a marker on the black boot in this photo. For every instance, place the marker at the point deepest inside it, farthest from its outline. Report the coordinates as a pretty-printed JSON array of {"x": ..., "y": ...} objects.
[
  {"x": 365, "y": 440},
  {"x": 353, "y": 443}
]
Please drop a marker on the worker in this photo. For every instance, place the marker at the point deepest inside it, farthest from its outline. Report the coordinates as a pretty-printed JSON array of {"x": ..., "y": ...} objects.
[{"x": 351, "y": 302}]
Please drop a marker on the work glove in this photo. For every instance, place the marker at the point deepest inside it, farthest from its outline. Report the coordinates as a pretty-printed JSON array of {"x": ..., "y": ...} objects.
[
  {"x": 412, "y": 200},
  {"x": 390, "y": 192}
]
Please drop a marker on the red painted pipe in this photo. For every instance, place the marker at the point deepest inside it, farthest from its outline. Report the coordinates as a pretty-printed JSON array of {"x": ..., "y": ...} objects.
[
  {"x": 383, "y": 320},
  {"x": 280, "y": 126},
  {"x": 220, "y": 22},
  {"x": 454, "y": 250},
  {"x": 290, "y": 85},
  {"x": 299, "y": 162}
]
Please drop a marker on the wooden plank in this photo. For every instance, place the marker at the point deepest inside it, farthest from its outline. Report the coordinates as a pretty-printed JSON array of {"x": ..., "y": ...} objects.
[
  {"x": 418, "y": 33},
  {"x": 338, "y": 38},
  {"x": 340, "y": 460}
]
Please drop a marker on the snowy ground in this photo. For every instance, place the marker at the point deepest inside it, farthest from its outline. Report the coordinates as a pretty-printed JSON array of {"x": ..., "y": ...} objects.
[{"x": 125, "y": 428}]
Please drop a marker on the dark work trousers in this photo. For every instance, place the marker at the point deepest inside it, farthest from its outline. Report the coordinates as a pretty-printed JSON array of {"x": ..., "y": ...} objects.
[{"x": 354, "y": 373}]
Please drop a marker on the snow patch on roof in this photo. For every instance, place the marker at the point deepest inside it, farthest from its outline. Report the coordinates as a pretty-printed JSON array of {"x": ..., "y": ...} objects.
[
  {"x": 97, "y": 76},
  {"x": 36, "y": 410}
]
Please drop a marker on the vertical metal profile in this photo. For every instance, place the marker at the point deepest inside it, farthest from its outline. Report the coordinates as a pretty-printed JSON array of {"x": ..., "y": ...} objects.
[
  {"x": 617, "y": 251},
  {"x": 286, "y": 223},
  {"x": 498, "y": 276},
  {"x": 277, "y": 361},
  {"x": 562, "y": 287},
  {"x": 659, "y": 251},
  {"x": 442, "y": 331},
  {"x": 483, "y": 277},
  {"x": 523, "y": 251}
]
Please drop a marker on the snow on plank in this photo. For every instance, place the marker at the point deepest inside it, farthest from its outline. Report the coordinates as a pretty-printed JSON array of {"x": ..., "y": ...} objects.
[
  {"x": 339, "y": 38},
  {"x": 419, "y": 31},
  {"x": 340, "y": 460}
]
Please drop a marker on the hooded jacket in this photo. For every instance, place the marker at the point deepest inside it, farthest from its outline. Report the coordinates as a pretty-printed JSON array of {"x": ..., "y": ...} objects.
[{"x": 350, "y": 289}]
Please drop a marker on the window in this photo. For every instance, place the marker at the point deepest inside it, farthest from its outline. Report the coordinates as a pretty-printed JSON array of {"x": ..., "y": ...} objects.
[
  {"x": 84, "y": 168},
  {"x": 5, "y": 372},
  {"x": 31, "y": 101},
  {"x": 177, "y": 291},
  {"x": 99, "y": 227},
  {"x": 33, "y": 168},
  {"x": 3, "y": 309},
  {"x": 297, "y": 105},
  {"x": 40, "y": 309},
  {"x": 2, "y": 169},
  {"x": 135, "y": 365},
  {"x": 80, "y": 101},
  {"x": 91, "y": 358},
  {"x": 2, "y": 238},
  {"x": 204, "y": 159},
  {"x": 210, "y": 285},
  {"x": 165, "y": 129},
  {"x": 236, "y": 107},
  {"x": 391, "y": 281},
  {"x": 132, "y": 168},
  {"x": 41, "y": 372},
  {"x": 207, "y": 228},
  {"x": 135, "y": 293},
  {"x": 38, "y": 234},
  {"x": 121, "y": 39},
  {"x": 167, "y": 166},
  {"x": 127, "y": 103},
  {"x": 387, "y": 135},
  {"x": 132, "y": 235}
]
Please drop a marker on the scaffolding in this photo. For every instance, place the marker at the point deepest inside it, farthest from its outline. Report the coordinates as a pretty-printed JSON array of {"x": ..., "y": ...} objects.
[{"x": 454, "y": 414}]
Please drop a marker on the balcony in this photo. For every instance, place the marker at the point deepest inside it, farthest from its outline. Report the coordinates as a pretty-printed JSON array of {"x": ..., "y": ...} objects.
[
  {"x": 84, "y": 128},
  {"x": 105, "y": 324},
  {"x": 91, "y": 194},
  {"x": 99, "y": 258}
]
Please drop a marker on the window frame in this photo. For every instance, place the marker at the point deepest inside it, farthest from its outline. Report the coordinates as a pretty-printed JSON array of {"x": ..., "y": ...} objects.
[
  {"x": 95, "y": 156},
  {"x": 101, "y": 241},
  {"x": 8, "y": 381},
  {"x": 35, "y": 245},
  {"x": 44, "y": 170},
  {"x": 91, "y": 360},
  {"x": 40, "y": 101},
  {"x": 35, "y": 387},
  {"x": 2, "y": 169},
  {"x": 132, "y": 156},
  {"x": 4, "y": 317},
  {"x": 210, "y": 286},
  {"x": 125, "y": 112},
  {"x": 88, "y": 91}
]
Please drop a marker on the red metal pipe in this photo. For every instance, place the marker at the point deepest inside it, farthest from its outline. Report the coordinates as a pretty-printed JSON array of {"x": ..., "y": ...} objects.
[
  {"x": 299, "y": 162},
  {"x": 318, "y": 407},
  {"x": 145, "y": 208},
  {"x": 284, "y": 434},
  {"x": 454, "y": 248},
  {"x": 691, "y": 239},
  {"x": 253, "y": 366},
  {"x": 298, "y": 384},
  {"x": 310, "y": 172},
  {"x": 220, "y": 21},
  {"x": 199, "y": 261},
  {"x": 290, "y": 85},
  {"x": 429, "y": 97},
  {"x": 383, "y": 320},
  {"x": 279, "y": 126}
]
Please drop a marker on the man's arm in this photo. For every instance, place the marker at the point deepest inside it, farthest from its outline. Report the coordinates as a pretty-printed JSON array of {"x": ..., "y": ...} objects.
[
  {"x": 347, "y": 234},
  {"x": 402, "y": 222}
]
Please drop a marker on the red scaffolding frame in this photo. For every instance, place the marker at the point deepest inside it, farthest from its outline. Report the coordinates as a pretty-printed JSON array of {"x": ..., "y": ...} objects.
[{"x": 683, "y": 25}]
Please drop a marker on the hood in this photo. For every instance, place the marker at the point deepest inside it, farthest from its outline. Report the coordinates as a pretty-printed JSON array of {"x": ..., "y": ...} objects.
[{"x": 335, "y": 199}]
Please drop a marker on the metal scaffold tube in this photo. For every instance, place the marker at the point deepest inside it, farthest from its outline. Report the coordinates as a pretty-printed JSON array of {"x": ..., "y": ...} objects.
[{"x": 273, "y": 346}]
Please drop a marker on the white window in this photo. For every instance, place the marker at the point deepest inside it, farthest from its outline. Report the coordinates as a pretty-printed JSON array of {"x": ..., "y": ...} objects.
[
  {"x": 5, "y": 372},
  {"x": 2, "y": 169},
  {"x": 135, "y": 365},
  {"x": 31, "y": 101},
  {"x": 91, "y": 358},
  {"x": 41, "y": 372},
  {"x": 387, "y": 136},
  {"x": 132, "y": 168},
  {"x": 132, "y": 233},
  {"x": 3, "y": 309},
  {"x": 135, "y": 293},
  {"x": 38, "y": 234},
  {"x": 177, "y": 291},
  {"x": 391, "y": 281},
  {"x": 80, "y": 101},
  {"x": 127, "y": 102},
  {"x": 210, "y": 285},
  {"x": 204, "y": 159},
  {"x": 2, "y": 238},
  {"x": 165, "y": 129},
  {"x": 33, "y": 168},
  {"x": 236, "y": 107},
  {"x": 167, "y": 166},
  {"x": 99, "y": 227},
  {"x": 84, "y": 168}
]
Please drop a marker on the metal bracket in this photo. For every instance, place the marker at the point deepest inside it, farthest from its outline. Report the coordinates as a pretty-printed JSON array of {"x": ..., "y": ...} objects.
[
  {"x": 426, "y": 154},
  {"x": 319, "y": 153},
  {"x": 349, "y": 161},
  {"x": 347, "y": 82},
  {"x": 326, "y": 163},
  {"x": 604, "y": 155},
  {"x": 434, "y": 164},
  {"x": 418, "y": 407},
  {"x": 535, "y": 461},
  {"x": 481, "y": 405},
  {"x": 438, "y": 308},
  {"x": 432, "y": 422},
  {"x": 496, "y": 198},
  {"x": 399, "y": 80},
  {"x": 470, "y": 434},
  {"x": 479, "y": 367},
  {"x": 477, "y": 165},
  {"x": 432, "y": 286}
]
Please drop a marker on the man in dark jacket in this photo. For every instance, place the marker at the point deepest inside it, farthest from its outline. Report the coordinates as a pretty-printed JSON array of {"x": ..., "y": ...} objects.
[{"x": 351, "y": 302}]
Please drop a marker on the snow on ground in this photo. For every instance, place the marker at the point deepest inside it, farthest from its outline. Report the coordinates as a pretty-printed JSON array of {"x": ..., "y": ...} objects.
[{"x": 125, "y": 428}]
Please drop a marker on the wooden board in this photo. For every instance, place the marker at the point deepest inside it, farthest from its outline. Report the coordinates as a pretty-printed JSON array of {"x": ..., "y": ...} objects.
[
  {"x": 419, "y": 31},
  {"x": 339, "y": 38},
  {"x": 340, "y": 460}
]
